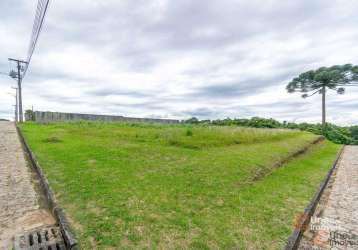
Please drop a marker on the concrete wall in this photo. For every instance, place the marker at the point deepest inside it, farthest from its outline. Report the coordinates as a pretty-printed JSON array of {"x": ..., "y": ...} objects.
[{"x": 46, "y": 117}]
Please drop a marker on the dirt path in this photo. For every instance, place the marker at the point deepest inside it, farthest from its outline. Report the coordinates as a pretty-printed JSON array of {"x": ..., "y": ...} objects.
[
  {"x": 21, "y": 208},
  {"x": 335, "y": 222}
]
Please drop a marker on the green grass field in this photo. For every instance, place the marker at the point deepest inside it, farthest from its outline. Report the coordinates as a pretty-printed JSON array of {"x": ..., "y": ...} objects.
[{"x": 137, "y": 186}]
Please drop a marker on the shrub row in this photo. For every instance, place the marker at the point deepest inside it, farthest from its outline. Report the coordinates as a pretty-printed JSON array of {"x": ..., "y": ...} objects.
[{"x": 337, "y": 134}]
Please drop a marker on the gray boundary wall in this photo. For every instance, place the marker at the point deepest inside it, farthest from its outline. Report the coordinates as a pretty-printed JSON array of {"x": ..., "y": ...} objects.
[{"x": 47, "y": 117}]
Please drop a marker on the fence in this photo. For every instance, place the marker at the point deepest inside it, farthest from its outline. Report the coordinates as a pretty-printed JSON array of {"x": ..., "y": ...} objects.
[{"x": 47, "y": 117}]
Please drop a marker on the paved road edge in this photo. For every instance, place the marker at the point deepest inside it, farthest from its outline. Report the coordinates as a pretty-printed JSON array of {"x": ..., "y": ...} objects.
[
  {"x": 57, "y": 211},
  {"x": 295, "y": 238}
]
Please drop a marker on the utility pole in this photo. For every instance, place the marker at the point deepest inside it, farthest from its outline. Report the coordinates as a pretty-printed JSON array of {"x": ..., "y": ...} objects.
[
  {"x": 16, "y": 106},
  {"x": 16, "y": 114},
  {"x": 18, "y": 76}
]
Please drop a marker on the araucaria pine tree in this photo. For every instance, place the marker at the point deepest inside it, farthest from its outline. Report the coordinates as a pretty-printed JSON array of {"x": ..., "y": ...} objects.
[{"x": 323, "y": 79}]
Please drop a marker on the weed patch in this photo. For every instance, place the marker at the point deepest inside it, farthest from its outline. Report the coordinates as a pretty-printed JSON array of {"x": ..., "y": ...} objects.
[{"x": 52, "y": 139}]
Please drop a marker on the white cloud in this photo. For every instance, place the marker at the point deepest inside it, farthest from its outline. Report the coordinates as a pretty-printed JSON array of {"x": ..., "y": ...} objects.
[{"x": 181, "y": 58}]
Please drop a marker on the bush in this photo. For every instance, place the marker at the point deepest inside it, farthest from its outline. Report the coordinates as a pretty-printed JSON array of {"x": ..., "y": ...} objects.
[
  {"x": 189, "y": 132},
  {"x": 334, "y": 133},
  {"x": 29, "y": 115},
  {"x": 192, "y": 120},
  {"x": 354, "y": 133}
]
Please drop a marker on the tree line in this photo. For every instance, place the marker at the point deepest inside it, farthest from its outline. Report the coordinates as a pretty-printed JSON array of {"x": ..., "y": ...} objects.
[{"x": 334, "y": 133}]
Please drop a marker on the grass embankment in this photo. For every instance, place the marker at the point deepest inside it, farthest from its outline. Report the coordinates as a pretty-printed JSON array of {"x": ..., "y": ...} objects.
[{"x": 179, "y": 187}]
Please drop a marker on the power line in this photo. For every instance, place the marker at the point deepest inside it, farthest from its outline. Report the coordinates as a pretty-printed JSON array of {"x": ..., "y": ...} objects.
[
  {"x": 41, "y": 11},
  {"x": 22, "y": 66},
  {"x": 36, "y": 28}
]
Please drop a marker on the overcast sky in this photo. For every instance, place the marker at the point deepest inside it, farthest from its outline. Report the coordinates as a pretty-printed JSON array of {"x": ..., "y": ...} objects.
[{"x": 177, "y": 59}]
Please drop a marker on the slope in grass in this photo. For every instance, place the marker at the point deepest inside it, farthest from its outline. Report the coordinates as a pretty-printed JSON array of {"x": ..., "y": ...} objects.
[{"x": 155, "y": 186}]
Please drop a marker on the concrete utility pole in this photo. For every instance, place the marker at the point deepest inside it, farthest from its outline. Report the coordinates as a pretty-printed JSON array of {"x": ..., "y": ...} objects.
[
  {"x": 16, "y": 106},
  {"x": 18, "y": 76},
  {"x": 16, "y": 114}
]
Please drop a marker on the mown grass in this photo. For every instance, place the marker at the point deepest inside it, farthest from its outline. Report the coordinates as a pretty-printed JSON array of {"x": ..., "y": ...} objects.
[{"x": 141, "y": 186}]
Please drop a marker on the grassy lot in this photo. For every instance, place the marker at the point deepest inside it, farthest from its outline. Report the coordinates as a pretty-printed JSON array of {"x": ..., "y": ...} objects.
[{"x": 136, "y": 186}]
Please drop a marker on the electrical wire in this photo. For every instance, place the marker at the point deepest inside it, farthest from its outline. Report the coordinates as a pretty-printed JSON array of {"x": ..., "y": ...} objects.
[
  {"x": 37, "y": 26},
  {"x": 41, "y": 11}
]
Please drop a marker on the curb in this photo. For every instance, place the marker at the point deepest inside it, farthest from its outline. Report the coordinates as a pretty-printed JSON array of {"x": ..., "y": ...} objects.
[
  {"x": 70, "y": 240},
  {"x": 295, "y": 238}
]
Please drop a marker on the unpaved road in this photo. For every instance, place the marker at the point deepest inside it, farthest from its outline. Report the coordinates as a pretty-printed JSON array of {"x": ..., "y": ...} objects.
[
  {"x": 21, "y": 208},
  {"x": 334, "y": 224}
]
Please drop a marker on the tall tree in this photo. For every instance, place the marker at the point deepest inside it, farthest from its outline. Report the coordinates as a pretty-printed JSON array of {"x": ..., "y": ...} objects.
[{"x": 323, "y": 79}]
